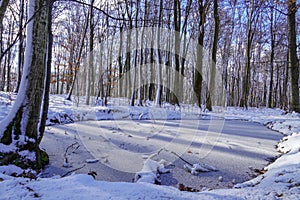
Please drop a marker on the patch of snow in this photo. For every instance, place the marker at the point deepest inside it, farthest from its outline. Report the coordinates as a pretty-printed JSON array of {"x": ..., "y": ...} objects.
[
  {"x": 78, "y": 187},
  {"x": 151, "y": 171},
  {"x": 27, "y": 154},
  {"x": 11, "y": 169},
  {"x": 196, "y": 168},
  {"x": 7, "y": 148}
]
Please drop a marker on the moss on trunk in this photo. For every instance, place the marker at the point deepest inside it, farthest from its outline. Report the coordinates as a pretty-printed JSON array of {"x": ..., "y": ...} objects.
[{"x": 14, "y": 128}]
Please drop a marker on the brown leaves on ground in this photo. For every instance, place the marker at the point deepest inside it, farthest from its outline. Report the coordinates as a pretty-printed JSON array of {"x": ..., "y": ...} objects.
[{"x": 182, "y": 187}]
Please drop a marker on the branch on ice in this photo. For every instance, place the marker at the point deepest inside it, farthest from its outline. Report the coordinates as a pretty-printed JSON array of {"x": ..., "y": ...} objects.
[
  {"x": 73, "y": 146},
  {"x": 195, "y": 168}
]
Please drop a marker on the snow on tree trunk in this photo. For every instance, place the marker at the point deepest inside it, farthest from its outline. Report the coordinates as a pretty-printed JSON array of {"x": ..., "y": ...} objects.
[{"x": 20, "y": 128}]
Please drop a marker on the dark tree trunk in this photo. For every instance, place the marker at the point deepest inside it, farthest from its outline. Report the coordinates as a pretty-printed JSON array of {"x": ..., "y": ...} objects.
[
  {"x": 20, "y": 53},
  {"x": 293, "y": 60},
  {"x": 273, "y": 37},
  {"x": 45, "y": 105},
  {"x": 177, "y": 17},
  {"x": 199, "y": 61},
  {"x": 3, "y": 8},
  {"x": 211, "y": 90}
]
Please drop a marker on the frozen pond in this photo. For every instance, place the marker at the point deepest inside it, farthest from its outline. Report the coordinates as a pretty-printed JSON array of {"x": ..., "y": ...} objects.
[{"x": 236, "y": 148}]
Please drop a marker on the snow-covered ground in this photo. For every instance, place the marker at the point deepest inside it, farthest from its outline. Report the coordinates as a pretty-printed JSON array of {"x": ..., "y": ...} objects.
[{"x": 280, "y": 181}]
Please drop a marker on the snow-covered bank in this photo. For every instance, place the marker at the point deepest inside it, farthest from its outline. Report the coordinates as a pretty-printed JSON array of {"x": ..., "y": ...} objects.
[
  {"x": 84, "y": 187},
  {"x": 281, "y": 180}
]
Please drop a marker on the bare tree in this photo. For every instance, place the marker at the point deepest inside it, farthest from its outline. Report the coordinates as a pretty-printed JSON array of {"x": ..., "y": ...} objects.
[{"x": 253, "y": 16}]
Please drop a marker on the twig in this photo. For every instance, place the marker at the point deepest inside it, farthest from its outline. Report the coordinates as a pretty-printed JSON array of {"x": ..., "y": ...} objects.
[
  {"x": 160, "y": 151},
  {"x": 181, "y": 158},
  {"x": 155, "y": 154},
  {"x": 72, "y": 146},
  {"x": 75, "y": 146},
  {"x": 69, "y": 172}
]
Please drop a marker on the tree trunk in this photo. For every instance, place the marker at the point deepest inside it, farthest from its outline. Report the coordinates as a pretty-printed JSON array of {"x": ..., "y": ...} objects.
[
  {"x": 273, "y": 38},
  {"x": 158, "y": 61},
  {"x": 285, "y": 85},
  {"x": 89, "y": 83},
  {"x": 78, "y": 59},
  {"x": 20, "y": 53},
  {"x": 246, "y": 79},
  {"x": 199, "y": 60},
  {"x": 151, "y": 87},
  {"x": 211, "y": 91},
  {"x": 120, "y": 79},
  {"x": 293, "y": 60},
  {"x": 9, "y": 57},
  {"x": 142, "y": 59},
  {"x": 45, "y": 105},
  {"x": 3, "y": 8},
  {"x": 135, "y": 58},
  {"x": 177, "y": 24},
  {"x": 20, "y": 127}
]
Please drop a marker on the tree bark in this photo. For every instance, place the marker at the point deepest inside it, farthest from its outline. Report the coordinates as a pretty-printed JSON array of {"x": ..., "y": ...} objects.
[
  {"x": 273, "y": 37},
  {"x": 3, "y": 8},
  {"x": 89, "y": 83},
  {"x": 247, "y": 73},
  {"x": 9, "y": 58},
  {"x": 158, "y": 59},
  {"x": 199, "y": 61},
  {"x": 211, "y": 90},
  {"x": 45, "y": 105},
  {"x": 177, "y": 24},
  {"x": 20, "y": 127},
  {"x": 135, "y": 58},
  {"x": 20, "y": 53},
  {"x": 293, "y": 60}
]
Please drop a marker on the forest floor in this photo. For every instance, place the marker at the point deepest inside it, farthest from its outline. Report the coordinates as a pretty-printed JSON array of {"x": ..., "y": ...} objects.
[{"x": 152, "y": 133}]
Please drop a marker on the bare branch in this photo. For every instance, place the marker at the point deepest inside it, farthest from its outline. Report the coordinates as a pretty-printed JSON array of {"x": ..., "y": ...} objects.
[{"x": 74, "y": 170}]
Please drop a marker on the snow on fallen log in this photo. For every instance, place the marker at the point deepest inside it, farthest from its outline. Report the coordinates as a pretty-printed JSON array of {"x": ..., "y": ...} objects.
[
  {"x": 91, "y": 160},
  {"x": 197, "y": 168},
  {"x": 151, "y": 171}
]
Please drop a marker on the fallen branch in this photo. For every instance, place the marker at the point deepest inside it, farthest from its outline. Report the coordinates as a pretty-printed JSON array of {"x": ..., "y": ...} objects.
[
  {"x": 181, "y": 158},
  {"x": 195, "y": 168},
  {"x": 75, "y": 146},
  {"x": 74, "y": 170}
]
